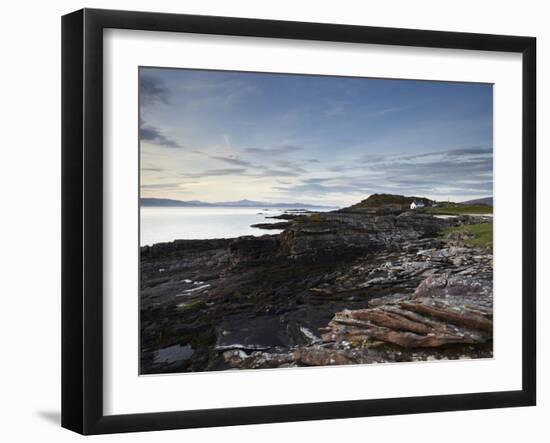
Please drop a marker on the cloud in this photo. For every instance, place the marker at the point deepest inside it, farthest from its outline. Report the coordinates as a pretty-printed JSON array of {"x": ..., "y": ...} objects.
[
  {"x": 162, "y": 186},
  {"x": 153, "y": 169},
  {"x": 290, "y": 165},
  {"x": 446, "y": 169},
  {"x": 152, "y": 91},
  {"x": 452, "y": 153},
  {"x": 320, "y": 186},
  {"x": 438, "y": 159},
  {"x": 284, "y": 163},
  {"x": 372, "y": 158},
  {"x": 317, "y": 189},
  {"x": 278, "y": 150},
  {"x": 253, "y": 171},
  {"x": 390, "y": 110},
  {"x": 269, "y": 168},
  {"x": 216, "y": 172},
  {"x": 457, "y": 172},
  {"x": 231, "y": 160},
  {"x": 469, "y": 151},
  {"x": 335, "y": 107},
  {"x": 279, "y": 173},
  {"x": 154, "y": 135},
  {"x": 340, "y": 168}
]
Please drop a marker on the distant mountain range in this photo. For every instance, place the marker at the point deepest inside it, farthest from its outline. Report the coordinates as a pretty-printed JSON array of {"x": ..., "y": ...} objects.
[
  {"x": 240, "y": 203},
  {"x": 479, "y": 201}
]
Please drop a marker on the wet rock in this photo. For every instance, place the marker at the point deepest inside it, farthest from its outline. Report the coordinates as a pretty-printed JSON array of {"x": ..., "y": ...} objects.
[
  {"x": 278, "y": 225},
  {"x": 253, "y": 250},
  {"x": 475, "y": 293},
  {"x": 443, "y": 310},
  {"x": 460, "y": 236},
  {"x": 318, "y": 356},
  {"x": 388, "y": 299},
  {"x": 257, "y": 360},
  {"x": 350, "y": 233},
  {"x": 242, "y": 332},
  {"x": 288, "y": 216}
]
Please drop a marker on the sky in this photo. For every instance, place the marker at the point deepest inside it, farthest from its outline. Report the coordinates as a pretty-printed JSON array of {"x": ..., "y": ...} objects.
[{"x": 224, "y": 136}]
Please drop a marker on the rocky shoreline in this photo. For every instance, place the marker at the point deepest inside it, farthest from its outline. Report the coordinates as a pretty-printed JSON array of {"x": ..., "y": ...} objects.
[{"x": 359, "y": 285}]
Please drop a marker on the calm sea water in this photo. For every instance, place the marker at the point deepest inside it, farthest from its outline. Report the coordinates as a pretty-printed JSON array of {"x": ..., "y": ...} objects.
[{"x": 163, "y": 224}]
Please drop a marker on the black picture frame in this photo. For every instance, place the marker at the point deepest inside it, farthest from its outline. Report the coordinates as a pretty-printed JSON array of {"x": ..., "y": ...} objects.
[{"x": 82, "y": 218}]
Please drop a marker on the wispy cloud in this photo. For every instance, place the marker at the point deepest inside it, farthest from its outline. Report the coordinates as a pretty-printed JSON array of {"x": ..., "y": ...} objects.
[
  {"x": 155, "y": 136},
  {"x": 469, "y": 151},
  {"x": 152, "y": 90},
  {"x": 464, "y": 171},
  {"x": 335, "y": 107},
  {"x": 389, "y": 110},
  {"x": 277, "y": 150},
  {"x": 450, "y": 153},
  {"x": 231, "y": 160},
  {"x": 269, "y": 172},
  {"x": 264, "y": 167},
  {"x": 215, "y": 172},
  {"x": 162, "y": 186},
  {"x": 152, "y": 169}
]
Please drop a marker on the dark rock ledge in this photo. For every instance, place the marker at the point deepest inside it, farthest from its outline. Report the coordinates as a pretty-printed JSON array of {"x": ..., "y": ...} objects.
[{"x": 445, "y": 318}]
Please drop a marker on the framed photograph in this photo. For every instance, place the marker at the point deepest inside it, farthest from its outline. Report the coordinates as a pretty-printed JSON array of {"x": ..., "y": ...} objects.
[{"x": 268, "y": 221}]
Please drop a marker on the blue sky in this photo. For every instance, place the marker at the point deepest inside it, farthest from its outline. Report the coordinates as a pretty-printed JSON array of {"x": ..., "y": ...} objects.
[{"x": 218, "y": 136}]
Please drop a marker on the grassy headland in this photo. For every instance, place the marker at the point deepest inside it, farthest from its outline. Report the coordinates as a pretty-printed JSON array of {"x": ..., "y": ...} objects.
[
  {"x": 461, "y": 209},
  {"x": 482, "y": 234}
]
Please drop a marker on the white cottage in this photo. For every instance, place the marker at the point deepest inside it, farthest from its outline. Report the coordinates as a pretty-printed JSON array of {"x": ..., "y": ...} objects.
[{"x": 415, "y": 205}]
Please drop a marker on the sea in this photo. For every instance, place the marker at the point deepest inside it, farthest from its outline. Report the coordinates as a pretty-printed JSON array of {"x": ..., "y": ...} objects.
[{"x": 165, "y": 224}]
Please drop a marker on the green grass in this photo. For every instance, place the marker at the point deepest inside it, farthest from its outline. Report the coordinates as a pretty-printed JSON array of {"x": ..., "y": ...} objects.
[
  {"x": 461, "y": 209},
  {"x": 191, "y": 304},
  {"x": 483, "y": 234},
  {"x": 315, "y": 217}
]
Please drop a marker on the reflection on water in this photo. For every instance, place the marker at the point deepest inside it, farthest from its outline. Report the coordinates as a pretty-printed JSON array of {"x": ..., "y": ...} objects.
[
  {"x": 173, "y": 354},
  {"x": 164, "y": 224}
]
